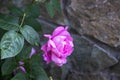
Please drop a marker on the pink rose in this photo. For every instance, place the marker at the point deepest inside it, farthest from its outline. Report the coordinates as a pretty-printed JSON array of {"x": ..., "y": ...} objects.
[{"x": 59, "y": 46}]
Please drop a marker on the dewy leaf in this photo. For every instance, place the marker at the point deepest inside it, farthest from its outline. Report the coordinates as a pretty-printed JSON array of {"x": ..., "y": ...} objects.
[
  {"x": 50, "y": 9},
  {"x": 11, "y": 44},
  {"x": 30, "y": 34},
  {"x": 38, "y": 72},
  {"x": 8, "y": 22},
  {"x": 21, "y": 76},
  {"x": 8, "y": 66}
]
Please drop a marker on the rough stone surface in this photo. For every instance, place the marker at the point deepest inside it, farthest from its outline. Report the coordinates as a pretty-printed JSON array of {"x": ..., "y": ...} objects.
[
  {"x": 89, "y": 61},
  {"x": 90, "y": 57},
  {"x": 98, "y": 18},
  {"x": 94, "y": 59},
  {"x": 103, "y": 58},
  {"x": 87, "y": 77}
]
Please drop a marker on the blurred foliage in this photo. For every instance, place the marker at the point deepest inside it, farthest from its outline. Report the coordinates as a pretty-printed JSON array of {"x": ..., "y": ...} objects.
[
  {"x": 52, "y": 6},
  {"x": 18, "y": 34}
]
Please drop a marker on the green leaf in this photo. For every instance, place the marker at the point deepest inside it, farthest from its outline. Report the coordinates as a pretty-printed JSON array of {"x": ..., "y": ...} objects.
[
  {"x": 38, "y": 72},
  {"x": 7, "y": 26},
  {"x": 35, "y": 59},
  {"x": 30, "y": 34},
  {"x": 8, "y": 66},
  {"x": 33, "y": 10},
  {"x": 50, "y": 9},
  {"x": 15, "y": 10},
  {"x": 33, "y": 22},
  {"x": 24, "y": 54},
  {"x": 11, "y": 44},
  {"x": 8, "y": 22},
  {"x": 6, "y": 77},
  {"x": 9, "y": 18},
  {"x": 21, "y": 76}
]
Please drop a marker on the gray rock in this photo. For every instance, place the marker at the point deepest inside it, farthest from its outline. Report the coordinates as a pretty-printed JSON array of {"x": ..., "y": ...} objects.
[
  {"x": 103, "y": 58},
  {"x": 115, "y": 70},
  {"x": 90, "y": 57},
  {"x": 98, "y": 18},
  {"x": 75, "y": 76},
  {"x": 82, "y": 59}
]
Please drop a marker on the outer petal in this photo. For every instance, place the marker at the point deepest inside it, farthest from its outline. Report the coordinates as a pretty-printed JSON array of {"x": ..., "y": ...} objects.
[
  {"x": 58, "y": 30},
  {"x": 47, "y": 35},
  {"x": 68, "y": 48},
  {"x": 44, "y": 48},
  {"x": 47, "y": 57},
  {"x": 57, "y": 60}
]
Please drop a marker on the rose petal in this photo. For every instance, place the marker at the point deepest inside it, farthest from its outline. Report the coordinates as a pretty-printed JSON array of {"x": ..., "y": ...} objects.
[
  {"x": 52, "y": 43},
  {"x": 58, "y": 61},
  {"x": 58, "y": 30},
  {"x": 47, "y": 57},
  {"x": 47, "y": 35}
]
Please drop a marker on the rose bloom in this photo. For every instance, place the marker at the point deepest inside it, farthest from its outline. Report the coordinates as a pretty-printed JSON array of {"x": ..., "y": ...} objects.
[{"x": 59, "y": 46}]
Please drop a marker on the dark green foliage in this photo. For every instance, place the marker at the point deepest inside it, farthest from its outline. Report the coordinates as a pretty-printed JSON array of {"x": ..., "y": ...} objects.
[
  {"x": 8, "y": 22},
  {"x": 52, "y": 6},
  {"x": 18, "y": 34},
  {"x": 33, "y": 10},
  {"x": 24, "y": 54},
  {"x": 8, "y": 66},
  {"x": 21, "y": 76},
  {"x": 37, "y": 72},
  {"x": 30, "y": 35},
  {"x": 33, "y": 23},
  {"x": 16, "y": 11}
]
